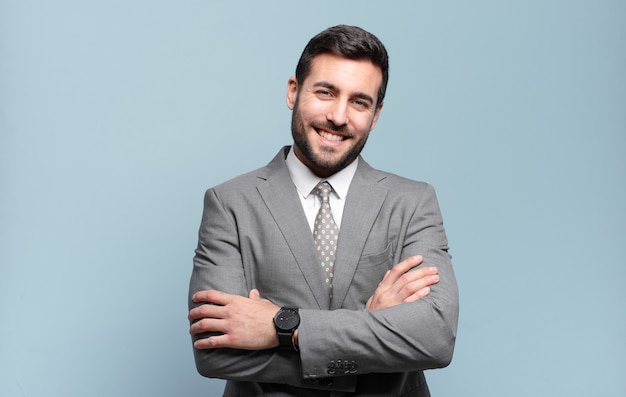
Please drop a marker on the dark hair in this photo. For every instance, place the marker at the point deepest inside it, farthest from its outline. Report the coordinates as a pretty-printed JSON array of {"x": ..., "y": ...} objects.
[{"x": 350, "y": 42}]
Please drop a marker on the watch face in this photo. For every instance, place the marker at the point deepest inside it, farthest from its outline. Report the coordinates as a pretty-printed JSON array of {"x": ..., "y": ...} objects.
[{"x": 287, "y": 319}]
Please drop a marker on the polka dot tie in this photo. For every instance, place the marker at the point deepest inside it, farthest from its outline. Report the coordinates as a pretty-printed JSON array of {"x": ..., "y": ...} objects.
[{"x": 325, "y": 233}]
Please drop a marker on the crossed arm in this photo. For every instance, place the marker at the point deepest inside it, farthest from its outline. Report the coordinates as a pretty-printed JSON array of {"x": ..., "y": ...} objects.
[
  {"x": 245, "y": 323},
  {"x": 407, "y": 324}
]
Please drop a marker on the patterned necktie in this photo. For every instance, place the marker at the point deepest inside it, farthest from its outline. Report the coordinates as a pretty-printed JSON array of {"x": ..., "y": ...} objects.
[{"x": 325, "y": 233}]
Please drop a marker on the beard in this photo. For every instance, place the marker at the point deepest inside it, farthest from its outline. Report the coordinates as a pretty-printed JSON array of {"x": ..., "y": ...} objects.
[{"x": 326, "y": 160}]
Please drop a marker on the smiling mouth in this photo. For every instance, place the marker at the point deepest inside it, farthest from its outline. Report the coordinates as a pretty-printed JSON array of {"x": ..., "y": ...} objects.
[{"x": 331, "y": 137}]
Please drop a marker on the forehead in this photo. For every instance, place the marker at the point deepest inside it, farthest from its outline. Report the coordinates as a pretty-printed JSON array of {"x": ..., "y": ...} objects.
[{"x": 346, "y": 74}]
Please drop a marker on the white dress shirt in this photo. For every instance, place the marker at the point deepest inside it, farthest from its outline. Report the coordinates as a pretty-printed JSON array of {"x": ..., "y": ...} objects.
[{"x": 305, "y": 180}]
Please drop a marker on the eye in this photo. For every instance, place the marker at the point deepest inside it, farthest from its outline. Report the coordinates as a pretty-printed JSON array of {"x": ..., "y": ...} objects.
[
  {"x": 323, "y": 93},
  {"x": 361, "y": 104}
]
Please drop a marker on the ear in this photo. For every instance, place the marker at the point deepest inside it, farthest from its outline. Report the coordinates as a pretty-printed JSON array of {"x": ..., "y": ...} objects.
[
  {"x": 376, "y": 115},
  {"x": 292, "y": 92}
]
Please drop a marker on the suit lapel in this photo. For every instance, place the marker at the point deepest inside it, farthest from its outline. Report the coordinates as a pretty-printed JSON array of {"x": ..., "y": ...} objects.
[
  {"x": 281, "y": 198},
  {"x": 363, "y": 202}
]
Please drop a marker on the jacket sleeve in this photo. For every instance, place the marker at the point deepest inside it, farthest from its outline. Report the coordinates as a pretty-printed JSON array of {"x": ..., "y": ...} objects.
[
  {"x": 407, "y": 337},
  {"x": 218, "y": 265}
]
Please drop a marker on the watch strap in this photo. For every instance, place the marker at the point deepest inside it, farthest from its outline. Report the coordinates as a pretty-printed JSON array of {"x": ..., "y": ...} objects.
[{"x": 284, "y": 340}]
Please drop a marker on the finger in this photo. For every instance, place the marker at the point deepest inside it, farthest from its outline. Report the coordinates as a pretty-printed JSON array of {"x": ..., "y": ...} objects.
[
  {"x": 211, "y": 342},
  {"x": 406, "y": 283},
  {"x": 422, "y": 293},
  {"x": 417, "y": 274},
  {"x": 254, "y": 294},
  {"x": 399, "y": 269},
  {"x": 410, "y": 283},
  {"x": 213, "y": 296},
  {"x": 419, "y": 288},
  {"x": 406, "y": 265},
  {"x": 207, "y": 325},
  {"x": 206, "y": 311},
  {"x": 410, "y": 287}
]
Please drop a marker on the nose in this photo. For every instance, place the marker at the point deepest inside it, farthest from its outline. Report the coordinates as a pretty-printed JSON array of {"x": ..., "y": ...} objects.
[{"x": 338, "y": 113}]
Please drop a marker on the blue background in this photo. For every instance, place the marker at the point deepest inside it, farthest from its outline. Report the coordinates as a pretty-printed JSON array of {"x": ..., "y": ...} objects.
[{"x": 116, "y": 116}]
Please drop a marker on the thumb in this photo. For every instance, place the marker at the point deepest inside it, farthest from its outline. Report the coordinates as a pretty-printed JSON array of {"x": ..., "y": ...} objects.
[{"x": 254, "y": 294}]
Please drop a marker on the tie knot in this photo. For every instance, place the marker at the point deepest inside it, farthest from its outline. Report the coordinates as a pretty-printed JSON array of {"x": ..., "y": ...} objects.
[{"x": 323, "y": 190}]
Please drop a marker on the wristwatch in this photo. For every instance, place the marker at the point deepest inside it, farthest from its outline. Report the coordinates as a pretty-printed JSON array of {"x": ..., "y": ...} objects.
[{"x": 286, "y": 322}]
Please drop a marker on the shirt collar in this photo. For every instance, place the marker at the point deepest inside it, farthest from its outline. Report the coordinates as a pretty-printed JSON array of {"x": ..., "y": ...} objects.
[{"x": 305, "y": 180}]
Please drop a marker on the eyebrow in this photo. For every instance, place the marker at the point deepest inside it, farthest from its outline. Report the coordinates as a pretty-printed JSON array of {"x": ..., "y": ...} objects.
[{"x": 360, "y": 95}]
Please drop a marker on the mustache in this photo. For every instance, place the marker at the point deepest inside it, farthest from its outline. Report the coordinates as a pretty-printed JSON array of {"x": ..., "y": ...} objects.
[{"x": 330, "y": 126}]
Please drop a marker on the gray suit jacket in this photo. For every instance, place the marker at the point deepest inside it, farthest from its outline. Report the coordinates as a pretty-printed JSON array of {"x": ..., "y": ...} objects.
[{"x": 254, "y": 234}]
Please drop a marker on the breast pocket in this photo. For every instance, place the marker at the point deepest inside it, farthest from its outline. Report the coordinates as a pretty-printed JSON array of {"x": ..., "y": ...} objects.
[{"x": 371, "y": 270}]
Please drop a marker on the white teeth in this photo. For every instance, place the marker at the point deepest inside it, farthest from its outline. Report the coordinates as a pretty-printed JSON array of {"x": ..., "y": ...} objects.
[{"x": 331, "y": 137}]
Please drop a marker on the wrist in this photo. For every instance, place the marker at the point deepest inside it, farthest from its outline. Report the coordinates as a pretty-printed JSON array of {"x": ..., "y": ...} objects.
[
  {"x": 286, "y": 323},
  {"x": 294, "y": 341}
]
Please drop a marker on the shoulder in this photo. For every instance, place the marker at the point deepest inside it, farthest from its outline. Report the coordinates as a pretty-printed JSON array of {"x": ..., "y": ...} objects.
[
  {"x": 249, "y": 181},
  {"x": 239, "y": 182},
  {"x": 396, "y": 184}
]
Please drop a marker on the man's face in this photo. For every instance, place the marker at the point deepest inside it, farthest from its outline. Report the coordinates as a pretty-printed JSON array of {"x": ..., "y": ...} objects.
[{"x": 333, "y": 111}]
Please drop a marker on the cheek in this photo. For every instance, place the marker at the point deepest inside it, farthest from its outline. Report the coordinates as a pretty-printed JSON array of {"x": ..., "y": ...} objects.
[
  {"x": 312, "y": 109},
  {"x": 362, "y": 123}
]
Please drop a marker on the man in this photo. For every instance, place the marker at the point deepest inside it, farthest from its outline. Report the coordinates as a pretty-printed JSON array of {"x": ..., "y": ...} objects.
[{"x": 274, "y": 317}]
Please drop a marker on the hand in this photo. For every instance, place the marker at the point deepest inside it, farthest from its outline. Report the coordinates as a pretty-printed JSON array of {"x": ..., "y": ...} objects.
[
  {"x": 244, "y": 323},
  {"x": 400, "y": 285}
]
